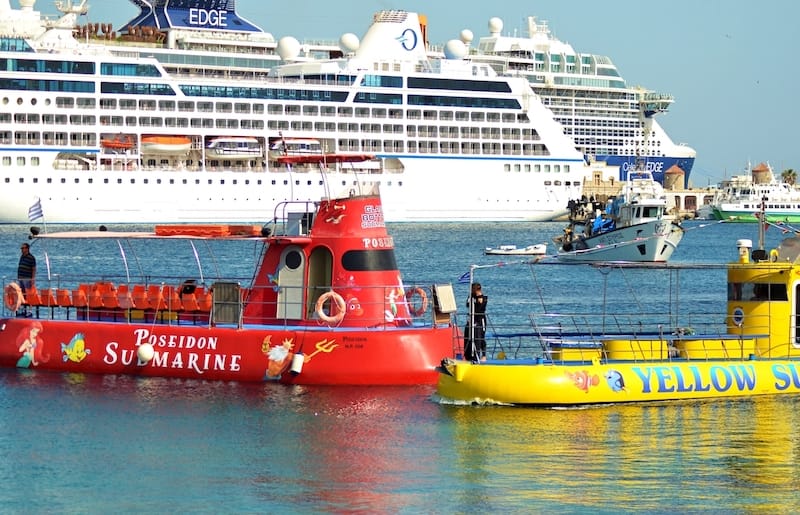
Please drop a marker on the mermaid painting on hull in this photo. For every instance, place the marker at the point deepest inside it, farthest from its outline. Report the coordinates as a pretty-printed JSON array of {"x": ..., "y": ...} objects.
[{"x": 31, "y": 345}]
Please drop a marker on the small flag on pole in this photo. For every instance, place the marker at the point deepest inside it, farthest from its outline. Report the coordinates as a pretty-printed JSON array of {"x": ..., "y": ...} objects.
[
  {"x": 464, "y": 279},
  {"x": 35, "y": 211}
]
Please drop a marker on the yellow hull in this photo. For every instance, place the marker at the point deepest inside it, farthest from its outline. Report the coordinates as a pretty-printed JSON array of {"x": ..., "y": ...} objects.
[{"x": 559, "y": 384}]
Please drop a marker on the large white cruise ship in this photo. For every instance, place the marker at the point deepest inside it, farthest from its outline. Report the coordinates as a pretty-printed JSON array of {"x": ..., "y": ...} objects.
[
  {"x": 607, "y": 119},
  {"x": 175, "y": 120}
]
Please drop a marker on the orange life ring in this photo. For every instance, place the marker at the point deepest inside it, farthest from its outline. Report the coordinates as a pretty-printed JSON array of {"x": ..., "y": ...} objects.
[
  {"x": 341, "y": 307},
  {"x": 423, "y": 299},
  {"x": 13, "y": 296}
]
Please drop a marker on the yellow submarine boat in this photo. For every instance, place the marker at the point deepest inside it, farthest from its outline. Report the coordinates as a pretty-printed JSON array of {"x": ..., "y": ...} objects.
[{"x": 755, "y": 350}]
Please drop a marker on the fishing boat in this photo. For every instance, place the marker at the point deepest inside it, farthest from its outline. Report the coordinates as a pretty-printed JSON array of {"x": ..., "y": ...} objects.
[
  {"x": 433, "y": 122},
  {"x": 165, "y": 144},
  {"x": 325, "y": 304},
  {"x": 539, "y": 249},
  {"x": 634, "y": 227},
  {"x": 739, "y": 198},
  {"x": 234, "y": 148},
  {"x": 639, "y": 355}
]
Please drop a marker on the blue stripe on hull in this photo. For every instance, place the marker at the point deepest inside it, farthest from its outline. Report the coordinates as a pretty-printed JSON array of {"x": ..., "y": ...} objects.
[{"x": 655, "y": 165}]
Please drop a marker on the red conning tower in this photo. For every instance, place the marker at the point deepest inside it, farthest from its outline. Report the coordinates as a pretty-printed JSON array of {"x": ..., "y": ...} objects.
[{"x": 346, "y": 251}]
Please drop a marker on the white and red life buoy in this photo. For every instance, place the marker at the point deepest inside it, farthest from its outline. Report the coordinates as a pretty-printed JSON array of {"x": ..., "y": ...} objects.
[
  {"x": 423, "y": 307},
  {"x": 13, "y": 296},
  {"x": 341, "y": 307}
]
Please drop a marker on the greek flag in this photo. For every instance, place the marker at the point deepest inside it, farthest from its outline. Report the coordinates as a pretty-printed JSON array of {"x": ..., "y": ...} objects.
[
  {"x": 464, "y": 279},
  {"x": 35, "y": 211}
]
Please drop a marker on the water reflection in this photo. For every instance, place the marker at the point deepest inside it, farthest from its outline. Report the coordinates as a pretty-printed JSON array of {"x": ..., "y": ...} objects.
[{"x": 686, "y": 456}]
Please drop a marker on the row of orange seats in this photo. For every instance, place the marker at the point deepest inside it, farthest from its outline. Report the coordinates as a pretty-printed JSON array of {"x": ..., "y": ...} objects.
[{"x": 105, "y": 296}]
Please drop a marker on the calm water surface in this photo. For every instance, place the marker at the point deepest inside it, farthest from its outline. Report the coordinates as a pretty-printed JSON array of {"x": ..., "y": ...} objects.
[{"x": 80, "y": 443}]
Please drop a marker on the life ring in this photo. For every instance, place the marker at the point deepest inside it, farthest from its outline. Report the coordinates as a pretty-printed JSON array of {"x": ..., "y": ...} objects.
[
  {"x": 341, "y": 307},
  {"x": 13, "y": 296},
  {"x": 423, "y": 299}
]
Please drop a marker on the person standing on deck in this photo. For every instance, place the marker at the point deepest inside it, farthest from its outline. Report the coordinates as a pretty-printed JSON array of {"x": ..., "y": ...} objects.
[
  {"x": 475, "y": 332},
  {"x": 26, "y": 270}
]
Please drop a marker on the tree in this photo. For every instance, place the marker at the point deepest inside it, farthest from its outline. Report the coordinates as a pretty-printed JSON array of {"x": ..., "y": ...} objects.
[{"x": 789, "y": 176}]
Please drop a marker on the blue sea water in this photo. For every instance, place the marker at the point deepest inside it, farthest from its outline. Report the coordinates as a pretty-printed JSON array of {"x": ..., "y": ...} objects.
[{"x": 89, "y": 444}]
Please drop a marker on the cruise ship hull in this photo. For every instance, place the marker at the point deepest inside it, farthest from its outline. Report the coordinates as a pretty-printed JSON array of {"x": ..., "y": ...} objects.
[{"x": 461, "y": 190}]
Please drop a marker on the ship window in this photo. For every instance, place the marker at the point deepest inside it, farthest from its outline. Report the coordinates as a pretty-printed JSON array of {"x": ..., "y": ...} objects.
[
  {"x": 547, "y": 183},
  {"x": 757, "y": 291},
  {"x": 65, "y": 102},
  {"x": 119, "y": 181},
  {"x": 369, "y": 260}
]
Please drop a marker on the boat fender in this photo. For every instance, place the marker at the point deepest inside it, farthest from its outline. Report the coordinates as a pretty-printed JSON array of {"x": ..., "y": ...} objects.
[
  {"x": 297, "y": 363},
  {"x": 145, "y": 353},
  {"x": 773, "y": 255},
  {"x": 13, "y": 296},
  {"x": 423, "y": 301},
  {"x": 341, "y": 307}
]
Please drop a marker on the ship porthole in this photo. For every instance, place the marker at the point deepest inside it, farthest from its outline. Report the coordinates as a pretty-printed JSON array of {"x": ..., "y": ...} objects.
[
  {"x": 738, "y": 316},
  {"x": 293, "y": 260}
]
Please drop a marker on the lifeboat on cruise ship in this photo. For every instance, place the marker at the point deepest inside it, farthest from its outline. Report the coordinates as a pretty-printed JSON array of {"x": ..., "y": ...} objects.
[
  {"x": 235, "y": 147},
  {"x": 117, "y": 143},
  {"x": 165, "y": 144}
]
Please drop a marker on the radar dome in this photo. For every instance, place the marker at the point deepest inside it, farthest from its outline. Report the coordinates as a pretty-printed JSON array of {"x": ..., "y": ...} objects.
[
  {"x": 495, "y": 25},
  {"x": 288, "y": 48},
  {"x": 349, "y": 43},
  {"x": 455, "y": 49},
  {"x": 466, "y": 36}
]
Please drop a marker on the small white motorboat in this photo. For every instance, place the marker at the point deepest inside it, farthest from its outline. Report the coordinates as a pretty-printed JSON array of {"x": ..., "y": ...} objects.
[{"x": 540, "y": 249}]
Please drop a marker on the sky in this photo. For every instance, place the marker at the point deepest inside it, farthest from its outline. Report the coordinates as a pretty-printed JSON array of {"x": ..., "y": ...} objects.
[{"x": 728, "y": 63}]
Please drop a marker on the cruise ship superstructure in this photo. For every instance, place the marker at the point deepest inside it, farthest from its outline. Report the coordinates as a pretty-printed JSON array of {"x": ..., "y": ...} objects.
[
  {"x": 608, "y": 120},
  {"x": 175, "y": 120}
]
